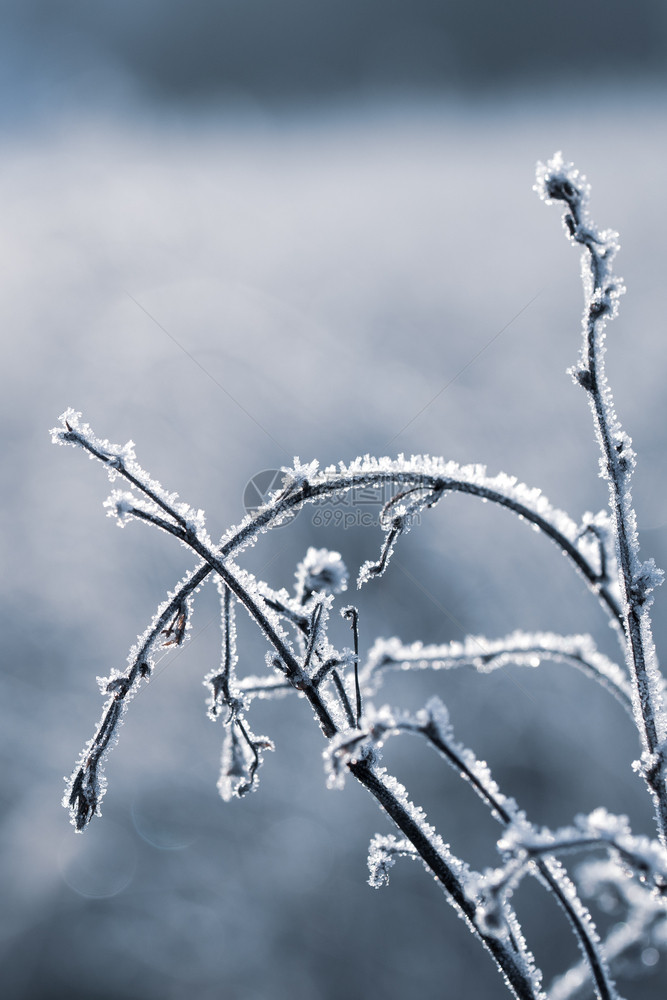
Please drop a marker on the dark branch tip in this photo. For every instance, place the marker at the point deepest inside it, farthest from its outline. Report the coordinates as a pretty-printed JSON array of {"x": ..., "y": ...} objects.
[
  {"x": 584, "y": 378},
  {"x": 119, "y": 686}
]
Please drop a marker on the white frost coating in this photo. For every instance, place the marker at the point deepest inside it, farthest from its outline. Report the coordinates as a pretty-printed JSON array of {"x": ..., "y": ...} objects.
[
  {"x": 263, "y": 687},
  {"x": 604, "y": 550},
  {"x": 382, "y": 853},
  {"x": 241, "y": 759},
  {"x": 656, "y": 683},
  {"x": 494, "y": 889},
  {"x": 224, "y": 692},
  {"x": 519, "y": 648},
  {"x": 577, "y": 913},
  {"x": 318, "y": 645},
  {"x": 432, "y": 722},
  {"x": 251, "y": 587},
  {"x": 320, "y": 570},
  {"x": 241, "y": 750},
  {"x": 429, "y": 475},
  {"x": 639, "y": 926},
  {"x": 532, "y": 972},
  {"x": 234, "y": 765},
  {"x": 120, "y": 460},
  {"x": 348, "y": 747},
  {"x": 460, "y": 869},
  {"x": 558, "y": 181},
  {"x": 491, "y": 891},
  {"x": 426, "y": 477},
  {"x": 120, "y": 504},
  {"x": 607, "y": 881},
  {"x": 646, "y": 858},
  {"x": 574, "y": 982},
  {"x": 466, "y": 878},
  {"x": 647, "y": 578},
  {"x": 170, "y": 627},
  {"x": 365, "y": 742},
  {"x": 397, "y": 517},
  {"x": 597, "y": 543},
  {"x": 280, "y": 506}
]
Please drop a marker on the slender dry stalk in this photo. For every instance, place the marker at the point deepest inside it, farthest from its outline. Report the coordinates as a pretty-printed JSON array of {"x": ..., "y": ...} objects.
[{"x": 602, "y": 548}]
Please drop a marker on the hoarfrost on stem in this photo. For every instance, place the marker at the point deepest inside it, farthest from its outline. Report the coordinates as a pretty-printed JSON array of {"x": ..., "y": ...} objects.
[{"x": 339, "y": 684}]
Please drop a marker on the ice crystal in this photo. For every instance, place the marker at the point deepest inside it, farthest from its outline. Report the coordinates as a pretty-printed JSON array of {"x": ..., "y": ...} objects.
[{"x": 382, "y": 853}]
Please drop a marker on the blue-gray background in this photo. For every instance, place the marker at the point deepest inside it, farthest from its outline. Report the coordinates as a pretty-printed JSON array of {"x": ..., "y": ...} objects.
[{"x": 238, "y": 232}]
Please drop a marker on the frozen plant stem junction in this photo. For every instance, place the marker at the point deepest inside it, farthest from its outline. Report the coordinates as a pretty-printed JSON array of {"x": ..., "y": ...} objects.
[{"x": 339, "y": 685}]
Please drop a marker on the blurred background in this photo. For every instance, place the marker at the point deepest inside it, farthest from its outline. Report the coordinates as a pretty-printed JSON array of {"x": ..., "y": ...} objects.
[{"x": 239, "y": 232}]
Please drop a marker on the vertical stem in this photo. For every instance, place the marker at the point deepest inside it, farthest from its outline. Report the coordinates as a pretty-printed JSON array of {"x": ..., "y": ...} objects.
[
  {"x": 637, "y": 623},
  {"x": 561, "y": 182},
  {"x": 352, "y": 615}
]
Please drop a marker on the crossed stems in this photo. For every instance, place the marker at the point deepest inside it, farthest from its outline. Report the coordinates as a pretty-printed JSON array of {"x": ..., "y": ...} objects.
[
  {"x": 632, "y": 616},
  {"x": 551, "y": 874},
  {"x": 288, "y": 501},
  {"x": 506, "y": 953}
]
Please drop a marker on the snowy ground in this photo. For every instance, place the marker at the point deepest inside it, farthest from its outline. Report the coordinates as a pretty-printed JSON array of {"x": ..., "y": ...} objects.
[{"x": 232, "y": 291}]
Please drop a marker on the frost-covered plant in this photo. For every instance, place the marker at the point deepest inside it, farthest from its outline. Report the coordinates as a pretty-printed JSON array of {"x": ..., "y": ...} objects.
[{"x": 338, "y": 685}]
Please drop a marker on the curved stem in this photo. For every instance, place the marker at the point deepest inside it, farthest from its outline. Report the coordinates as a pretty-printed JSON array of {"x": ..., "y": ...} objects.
[
  {"x": 247, "y": 533},
  {"x": 509, "y": 961},
  {"x": 485, "y": 655},
  {"x": 549, "y": 872},
  {"x": 472, "y": 481},
  {"x": 441, "y": 484}
]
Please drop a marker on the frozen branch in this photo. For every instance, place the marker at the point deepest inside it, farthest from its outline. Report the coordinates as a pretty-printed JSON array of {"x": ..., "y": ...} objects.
[
  {"x": 634, "y": 942},
  {"x": 511, "y": 956},
  {"x": 558, "y": 181},
  {"x": 523, "y": 649},
  {"x": 492, "y": 914},
  {"x": 602, "y": 547}
]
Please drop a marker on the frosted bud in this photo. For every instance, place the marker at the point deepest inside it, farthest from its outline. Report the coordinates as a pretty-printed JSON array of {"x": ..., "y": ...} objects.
[
  {"x": 322, "y": 571},
  {"x": 241, "y": 758},
  {"x": 490, "y": 919}
]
